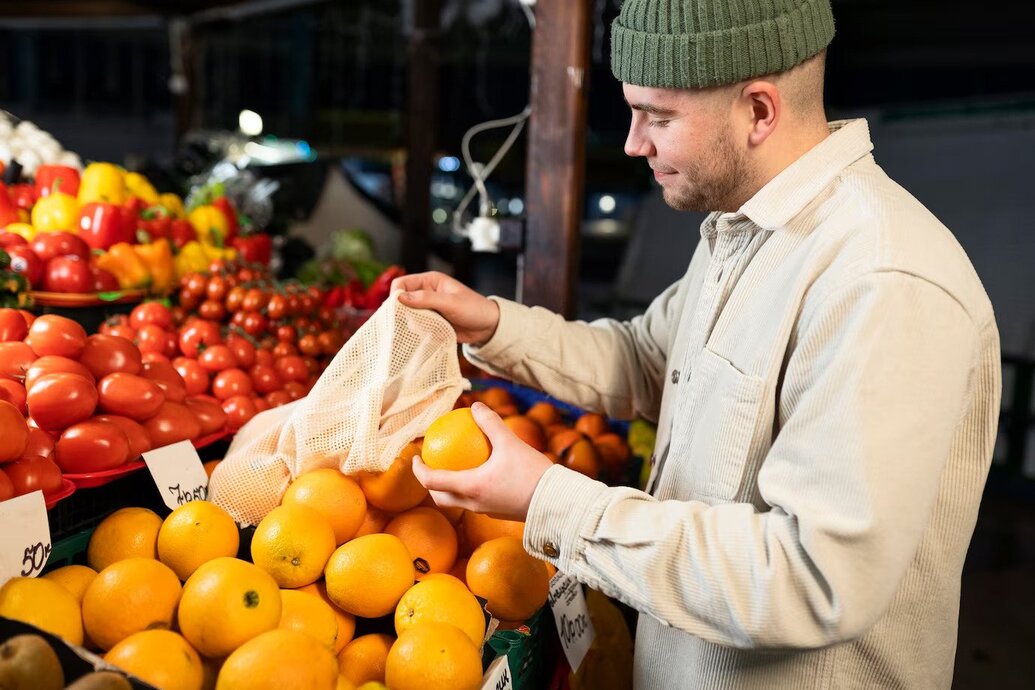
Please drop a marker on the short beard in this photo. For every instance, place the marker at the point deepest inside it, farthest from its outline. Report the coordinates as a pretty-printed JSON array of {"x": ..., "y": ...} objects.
[{"x": 715, "y": 188}]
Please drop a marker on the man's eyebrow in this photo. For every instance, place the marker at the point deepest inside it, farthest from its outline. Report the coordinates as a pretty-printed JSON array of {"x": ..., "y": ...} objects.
[{"x": 652, "y": 109}]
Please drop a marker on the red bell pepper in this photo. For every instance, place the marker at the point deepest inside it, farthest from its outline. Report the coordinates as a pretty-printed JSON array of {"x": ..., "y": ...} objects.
[
  {"x": 257, "y": 248},
  {"x": 154, "y": 222},
  {"x": 379, "y": 290},
  {"x": 228, "y": 210},
  {"x": 101, "y": 225},
  {"x": 8, "y": 209},
  {"x": 51, "y": 178},
  {"x": 23, "y": 195},
  {"x": 181, "y": 232}
]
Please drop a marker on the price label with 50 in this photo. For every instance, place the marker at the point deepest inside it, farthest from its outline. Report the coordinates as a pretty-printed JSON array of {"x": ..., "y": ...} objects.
[{"x": 25, "y": 536}]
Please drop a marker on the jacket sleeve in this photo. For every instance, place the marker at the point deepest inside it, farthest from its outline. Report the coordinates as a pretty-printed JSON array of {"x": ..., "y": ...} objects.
[{"x": 874, "y": 390}]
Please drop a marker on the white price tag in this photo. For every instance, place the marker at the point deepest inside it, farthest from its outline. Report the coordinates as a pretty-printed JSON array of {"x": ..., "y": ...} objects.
[
  {"x": 498, "y": 676},
  {"x": 24, "y": 536},
  {"x": 574, "y": 625},
  {"x": 178, "y": 473}
]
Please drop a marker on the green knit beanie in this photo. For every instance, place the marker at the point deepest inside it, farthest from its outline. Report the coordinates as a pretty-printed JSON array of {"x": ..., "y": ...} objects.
[{"x": 699, "y": 43}]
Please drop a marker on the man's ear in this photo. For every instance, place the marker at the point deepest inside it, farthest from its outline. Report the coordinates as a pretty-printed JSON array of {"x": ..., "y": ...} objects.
[{"x": 763, "y": 102}]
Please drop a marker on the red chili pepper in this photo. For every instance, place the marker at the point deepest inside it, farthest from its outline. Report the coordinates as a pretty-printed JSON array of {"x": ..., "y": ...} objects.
[
  {"x": 50, "y": 178},
  {"x": 101, "y": 225},
  {"x": 379, "y": 290}
]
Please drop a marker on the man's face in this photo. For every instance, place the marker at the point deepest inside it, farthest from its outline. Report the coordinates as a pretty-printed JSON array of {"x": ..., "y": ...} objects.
[{"x": 687, "y": 138}]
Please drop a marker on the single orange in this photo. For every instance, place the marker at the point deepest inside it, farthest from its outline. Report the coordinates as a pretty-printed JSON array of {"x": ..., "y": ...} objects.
[
  {"x": 582, "y": 457},
  {"x": 279, "y": 659},
  {"x": 74, "y": 578},
  {"x": 337, "y": 497},
  {"x": 479, "y": 528},
  {"x": 363, "y": 659},
  {"x": 368, "y": 575},
  {"x": 544, "y": 413},
  {"x": 42, "y": 603},
  {"x": 292, "y": 543},
  {"x": 225, "y": 603},
  {"x": 564, "y": 440},
  {"x": 441, "y": 598},
  {"x": 528, "y": 430},
  {"x": 126, "y": 533},
  {"x": 514, "y": 583},
  {"x": 395, "y": 489},
  {"x": 127, "y": 597},
  {"x": 428, "y": 536},
  {"x": 195, "y": 533},
  {"x": 308, "y": 614},
  {"x": 373, "y": 522},
  {"x": 592, "y": 425},
  {"x": 433, "y": 656},
  {"x": 346, "y": 621},
  {"x": 455, "y": 442},
  {"x": 494, "y": 397},
  {"x": 159, "y": 657}
]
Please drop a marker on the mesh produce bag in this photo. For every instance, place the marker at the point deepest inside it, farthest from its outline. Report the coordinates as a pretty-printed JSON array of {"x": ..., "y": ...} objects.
[{"x": 395, "y": 376}]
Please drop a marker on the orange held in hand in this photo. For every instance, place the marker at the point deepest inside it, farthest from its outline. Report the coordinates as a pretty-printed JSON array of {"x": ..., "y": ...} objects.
[{"x": 455, "y": 442}]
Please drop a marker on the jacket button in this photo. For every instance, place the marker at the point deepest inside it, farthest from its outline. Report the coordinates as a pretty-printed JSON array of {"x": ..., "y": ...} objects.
[
  {"x": 550, "y": 549},
  {"x": 675, "y": 376}
]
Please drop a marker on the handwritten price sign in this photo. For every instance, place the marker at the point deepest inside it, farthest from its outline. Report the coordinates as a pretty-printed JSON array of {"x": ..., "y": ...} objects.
[
  {"x": 178, "y": 473},
  {"x": 498, "y": 677},
  {"x": 574, "y": 625},
  {"x": 25, "y": 537}
]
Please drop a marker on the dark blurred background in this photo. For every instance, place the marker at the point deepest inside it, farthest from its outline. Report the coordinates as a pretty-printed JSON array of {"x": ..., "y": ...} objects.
[{"x": 949, "y": 93}]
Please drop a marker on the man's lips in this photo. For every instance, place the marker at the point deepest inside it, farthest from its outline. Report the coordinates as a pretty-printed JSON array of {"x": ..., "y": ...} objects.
[{"x": 661, "y": 175}]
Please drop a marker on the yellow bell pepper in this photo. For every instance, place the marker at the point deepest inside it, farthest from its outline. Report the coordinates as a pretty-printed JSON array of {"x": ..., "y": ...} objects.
[
  {"x": 139, "y": 186},
  {"x": 129, "y": 269},
  {"x": 191, "y": 259},
  {"x": 102, "y": 182},
  {"x": 55, "y": 212},
  {"x": 173, "y": 204},
  {"x": 23, "y": 229},
  {"x": 210, "y": 225},
  {"x": 158, "y": 259}
]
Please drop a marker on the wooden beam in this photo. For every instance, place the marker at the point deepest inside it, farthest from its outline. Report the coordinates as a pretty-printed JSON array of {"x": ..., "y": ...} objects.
[
  {"x": 421, "y": 128},
  {"x": 556, "y": 153}
]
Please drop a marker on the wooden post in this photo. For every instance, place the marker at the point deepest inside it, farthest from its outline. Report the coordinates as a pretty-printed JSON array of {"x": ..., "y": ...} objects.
[
  {"x": 421, "y": 127},
  {"x": 556, "y": 153}
]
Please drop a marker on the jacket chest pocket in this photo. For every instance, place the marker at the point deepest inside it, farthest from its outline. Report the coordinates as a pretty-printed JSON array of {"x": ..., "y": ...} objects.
[{"x": 713, "y": 428}]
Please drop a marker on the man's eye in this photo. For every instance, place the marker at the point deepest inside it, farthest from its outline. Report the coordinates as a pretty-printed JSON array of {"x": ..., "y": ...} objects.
[{"x": 657, "y": 123}]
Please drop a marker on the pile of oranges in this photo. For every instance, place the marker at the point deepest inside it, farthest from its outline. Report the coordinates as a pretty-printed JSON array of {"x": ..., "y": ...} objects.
[{"x": 170, "y": 601}]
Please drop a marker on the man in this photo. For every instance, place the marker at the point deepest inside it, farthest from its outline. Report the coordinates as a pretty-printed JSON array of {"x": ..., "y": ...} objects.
[{"x": 825, "y": 379}]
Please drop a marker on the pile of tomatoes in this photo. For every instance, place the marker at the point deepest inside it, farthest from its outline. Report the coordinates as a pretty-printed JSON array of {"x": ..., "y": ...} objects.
[{"x": 237, "y": 343}]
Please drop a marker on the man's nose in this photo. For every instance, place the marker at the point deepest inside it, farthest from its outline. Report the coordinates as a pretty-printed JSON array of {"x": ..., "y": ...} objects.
[{"x": 636, "y": 144}]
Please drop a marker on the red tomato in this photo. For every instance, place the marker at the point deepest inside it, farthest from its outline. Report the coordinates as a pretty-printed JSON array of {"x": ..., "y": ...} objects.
[
  {"x": 108, "y": 354},
  {"x": 172, "y": 344},
  {"x": 139, "y": 441},
  {"x": 146, "y": 357},
  {"x": 174, "y": 422},
  {"x": 67, "y": 274},
  {"x": 239, "y": 410},
  {"x": 260, "y": 404},
  {"x": 277, "y": 307},
  {"x": 151, "y": 314},
  {"x": 15, "y": 360},
  {"x": 194, "y": 284},
  {"x": 264, "y": 357},
  {"x": 283, "y": 349},
  {"x": 130, "y": 395},
  {"x": 6, "y": 487},
  {"x": 254, "y": 323},
  {"x": 52, "y": 364},
  {"x": 312, "y": 367},
  {"x": 265, "y": 379},
  {"x": 29, "y": 317},
  {"x": 286, "y": 334},
  {"x": 40, "y": 444},
  {"x": 103, "y": 281},
  {"x": 234, "y": 297},
  {"x": 151, "y": 338},
  {"x": 25, "y": 261},
  {"x": 14, "y": 393},
  {"x": 217, "y": 358},
  {"x": 57, "y": 401},
  {"x": 32, "y": 474},
  {"x": 49, "y": 245},
  {"x": 12, "y": 325},
  {"x": 291, "y": 368},
  {"x": 91, "y": 447},
  {"x": 197, "y": 333},
  {"x": 278, "y": 398},
  {"x": 168, "y": 379},
  {"x": 253, "y": 300},
  {"x": 295, "y": 390},
  {"x": 330, "y": 342},
  {"x": 231, "y": 382},
  {"x": 194, "y": 376},
  {"x": 309, "y": 345},
  {"x": 212, "y": 310},
  {"x": 244, "y": 351},
  {"x": 216, "y": 289},
  {"x": 56, "y": 335},
  {"x": 14, "y": 435},
  {"x": 210, "y": 415},
  {"x": 179, "y": 315}
]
